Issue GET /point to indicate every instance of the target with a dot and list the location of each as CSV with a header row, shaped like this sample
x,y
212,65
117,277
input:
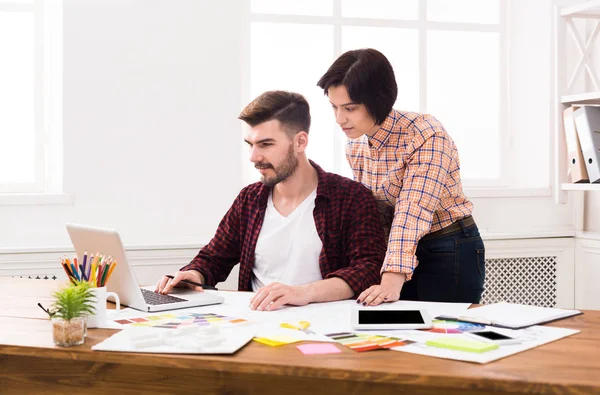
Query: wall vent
x,y
528,280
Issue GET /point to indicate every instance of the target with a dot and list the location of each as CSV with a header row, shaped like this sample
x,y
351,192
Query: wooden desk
x,y
31,364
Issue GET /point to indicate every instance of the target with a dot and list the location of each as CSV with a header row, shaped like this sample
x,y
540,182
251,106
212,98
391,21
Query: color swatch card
x,y
172,321
459,344
442,326
366,342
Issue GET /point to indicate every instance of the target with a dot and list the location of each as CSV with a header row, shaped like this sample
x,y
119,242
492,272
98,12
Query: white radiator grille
x,y
529,280
39,277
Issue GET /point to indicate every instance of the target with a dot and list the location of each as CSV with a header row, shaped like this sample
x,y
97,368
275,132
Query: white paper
x,y
517,315
531,337
325,318
156,341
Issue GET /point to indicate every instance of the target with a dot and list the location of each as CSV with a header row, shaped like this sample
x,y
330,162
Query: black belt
x,y
467,222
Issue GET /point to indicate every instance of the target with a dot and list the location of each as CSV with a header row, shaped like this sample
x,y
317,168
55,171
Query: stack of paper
x,y
513,316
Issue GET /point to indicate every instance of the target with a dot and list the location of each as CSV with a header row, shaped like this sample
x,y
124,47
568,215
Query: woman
x,y
411,165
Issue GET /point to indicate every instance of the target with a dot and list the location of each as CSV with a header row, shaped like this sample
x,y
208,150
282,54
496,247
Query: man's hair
x,y
369,79
289,108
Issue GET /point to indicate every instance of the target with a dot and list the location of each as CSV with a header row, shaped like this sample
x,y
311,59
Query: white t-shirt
x,y
288,248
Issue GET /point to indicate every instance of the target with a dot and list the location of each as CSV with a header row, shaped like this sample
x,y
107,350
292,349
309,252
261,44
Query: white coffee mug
x,y
98,319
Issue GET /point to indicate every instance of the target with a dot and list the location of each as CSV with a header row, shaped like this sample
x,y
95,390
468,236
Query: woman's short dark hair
x,y
369,79
289,108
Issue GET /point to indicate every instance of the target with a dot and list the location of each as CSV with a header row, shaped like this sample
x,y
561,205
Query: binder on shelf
x,y
587,121
577,168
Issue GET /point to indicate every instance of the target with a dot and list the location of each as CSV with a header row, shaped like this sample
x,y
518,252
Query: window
x,y
30,96
449,58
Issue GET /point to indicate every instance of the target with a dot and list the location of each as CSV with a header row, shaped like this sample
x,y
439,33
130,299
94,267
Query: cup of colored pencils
x,y
95,269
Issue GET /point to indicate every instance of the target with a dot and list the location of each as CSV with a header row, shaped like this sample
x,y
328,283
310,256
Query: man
x,y
301,235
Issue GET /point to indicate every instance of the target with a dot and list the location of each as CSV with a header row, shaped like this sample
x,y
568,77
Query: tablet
x,y
369,318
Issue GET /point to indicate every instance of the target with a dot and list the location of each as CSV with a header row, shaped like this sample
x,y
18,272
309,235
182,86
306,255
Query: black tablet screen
x,y
390,317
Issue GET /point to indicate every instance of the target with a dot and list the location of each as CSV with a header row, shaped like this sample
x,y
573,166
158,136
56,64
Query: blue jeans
x,y
451,268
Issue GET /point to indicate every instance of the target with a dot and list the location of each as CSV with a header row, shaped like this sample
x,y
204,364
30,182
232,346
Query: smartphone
x,y
493,337
372,319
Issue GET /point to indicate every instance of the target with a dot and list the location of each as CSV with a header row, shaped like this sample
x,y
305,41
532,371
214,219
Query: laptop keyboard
x,y
153,298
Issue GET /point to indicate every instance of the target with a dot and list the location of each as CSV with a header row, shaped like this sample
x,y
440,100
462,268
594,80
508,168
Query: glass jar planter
x,y
68,332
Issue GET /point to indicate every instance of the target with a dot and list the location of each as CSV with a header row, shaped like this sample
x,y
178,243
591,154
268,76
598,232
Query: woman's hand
x,y
387,291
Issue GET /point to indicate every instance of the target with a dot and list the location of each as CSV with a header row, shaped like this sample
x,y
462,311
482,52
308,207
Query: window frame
x,y
422,25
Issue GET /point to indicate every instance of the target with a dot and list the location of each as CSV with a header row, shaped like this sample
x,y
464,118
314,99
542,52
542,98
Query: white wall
x,y
151,139
152,90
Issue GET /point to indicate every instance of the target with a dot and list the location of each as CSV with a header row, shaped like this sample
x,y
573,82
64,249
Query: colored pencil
x,y
106,269
93,274
84,262
74,269
66,269
100,273
112,268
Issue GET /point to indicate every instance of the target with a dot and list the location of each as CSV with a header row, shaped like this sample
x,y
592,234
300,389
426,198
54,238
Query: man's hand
x,y
275,295
387,291
166,284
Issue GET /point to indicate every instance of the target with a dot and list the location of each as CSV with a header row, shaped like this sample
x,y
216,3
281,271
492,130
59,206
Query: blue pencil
x,y
84,261
82,272
75,272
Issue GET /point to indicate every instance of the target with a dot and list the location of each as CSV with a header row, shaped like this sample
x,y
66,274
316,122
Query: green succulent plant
x,y
73,300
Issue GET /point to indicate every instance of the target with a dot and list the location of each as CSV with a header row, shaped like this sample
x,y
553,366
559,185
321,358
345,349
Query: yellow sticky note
x,y
268,342
277,340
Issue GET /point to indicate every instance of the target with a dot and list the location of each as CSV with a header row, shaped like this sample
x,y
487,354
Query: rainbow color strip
x,y
364,342
442,326
169,320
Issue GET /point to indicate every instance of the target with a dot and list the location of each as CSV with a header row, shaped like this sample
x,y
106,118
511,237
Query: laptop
x,y
123,281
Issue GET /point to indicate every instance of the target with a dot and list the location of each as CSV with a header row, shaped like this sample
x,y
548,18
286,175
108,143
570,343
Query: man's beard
x,y
284,171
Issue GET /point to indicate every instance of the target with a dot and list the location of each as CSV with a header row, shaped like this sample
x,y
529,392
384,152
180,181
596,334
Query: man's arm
x,y
275,295
215,260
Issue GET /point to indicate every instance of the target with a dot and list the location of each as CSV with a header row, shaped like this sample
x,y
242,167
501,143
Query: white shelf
x,y
580,187
589,9
582,98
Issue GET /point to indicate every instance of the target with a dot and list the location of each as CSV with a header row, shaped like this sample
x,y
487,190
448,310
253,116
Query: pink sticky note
x,y
318,348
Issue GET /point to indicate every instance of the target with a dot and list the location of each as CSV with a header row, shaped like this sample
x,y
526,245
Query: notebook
x,y
512,316
123,281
